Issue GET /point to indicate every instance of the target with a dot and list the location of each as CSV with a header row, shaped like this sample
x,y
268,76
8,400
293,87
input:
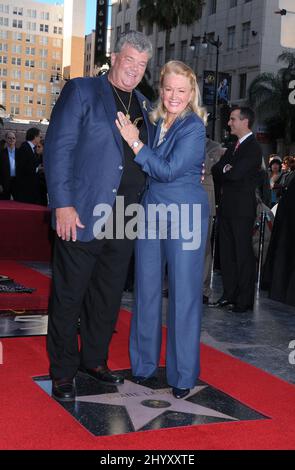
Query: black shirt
x,y
133,178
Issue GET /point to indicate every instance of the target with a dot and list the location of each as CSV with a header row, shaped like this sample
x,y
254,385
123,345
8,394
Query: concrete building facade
x,y
37,41
249,30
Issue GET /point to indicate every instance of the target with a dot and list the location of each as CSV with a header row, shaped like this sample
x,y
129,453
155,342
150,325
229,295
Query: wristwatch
x,y
135,144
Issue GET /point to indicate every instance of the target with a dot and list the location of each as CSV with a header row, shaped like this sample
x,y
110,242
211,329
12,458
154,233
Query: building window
x,y
118,32
56,55
4,8
42,77
3,59
18,11
16,48
183,50
28,111
243,85
32,13
4,21
212,7
41,112
31,26
231,36
43,64
3,85
17,23
127,27
15,98
44,28
120,5
29,75
41,100
16,61
28,87
31,38
28,99
245,34
44,41
3,72
16,74
41,89
44,15
56,42
3,47
43,52
3,34
30,50
29,63
57,30
233,3
14,110
55,90
14,85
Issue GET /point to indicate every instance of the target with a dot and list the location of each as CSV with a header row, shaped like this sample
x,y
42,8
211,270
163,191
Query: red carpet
x,y
28,278
25,231
32,420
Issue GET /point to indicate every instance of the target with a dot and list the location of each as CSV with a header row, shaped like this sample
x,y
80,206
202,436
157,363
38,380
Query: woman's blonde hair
x,y
179,68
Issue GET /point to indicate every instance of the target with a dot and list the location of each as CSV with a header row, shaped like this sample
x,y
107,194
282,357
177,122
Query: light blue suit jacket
x,y
83,155
175,166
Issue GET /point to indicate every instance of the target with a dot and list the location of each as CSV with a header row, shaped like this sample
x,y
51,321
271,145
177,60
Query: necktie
x,y
237,146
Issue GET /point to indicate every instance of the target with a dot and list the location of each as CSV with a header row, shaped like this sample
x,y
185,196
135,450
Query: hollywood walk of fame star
x,y
144,404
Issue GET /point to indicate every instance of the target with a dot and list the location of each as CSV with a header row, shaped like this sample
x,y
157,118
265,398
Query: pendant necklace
x,y
128,108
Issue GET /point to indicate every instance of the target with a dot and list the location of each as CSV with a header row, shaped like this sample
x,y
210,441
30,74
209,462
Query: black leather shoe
x,y
180,392
221,303
103,374
138,379
64,389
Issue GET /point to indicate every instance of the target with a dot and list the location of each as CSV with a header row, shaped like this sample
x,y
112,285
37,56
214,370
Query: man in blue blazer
x,y
87,164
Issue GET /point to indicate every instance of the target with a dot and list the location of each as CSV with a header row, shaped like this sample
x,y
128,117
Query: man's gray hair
x,y
136,39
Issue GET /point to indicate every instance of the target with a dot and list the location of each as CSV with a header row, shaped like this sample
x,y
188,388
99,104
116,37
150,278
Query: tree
x,y
167,14
269,95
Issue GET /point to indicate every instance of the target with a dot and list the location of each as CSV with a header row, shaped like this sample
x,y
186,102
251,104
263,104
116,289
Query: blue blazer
x,y
83,155
175,166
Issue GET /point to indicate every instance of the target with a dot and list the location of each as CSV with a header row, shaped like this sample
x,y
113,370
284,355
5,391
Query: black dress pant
x,y
237,260
88,282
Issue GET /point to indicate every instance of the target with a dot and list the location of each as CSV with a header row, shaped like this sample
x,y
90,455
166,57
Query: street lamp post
x,y
216,43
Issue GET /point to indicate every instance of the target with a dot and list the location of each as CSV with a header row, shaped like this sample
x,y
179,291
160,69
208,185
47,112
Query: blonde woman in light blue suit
x,y
174,168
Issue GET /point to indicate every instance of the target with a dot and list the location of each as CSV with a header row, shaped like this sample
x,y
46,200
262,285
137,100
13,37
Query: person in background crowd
x,y
275,167
213,153
8,167
279,270
40,173
27,182
238,171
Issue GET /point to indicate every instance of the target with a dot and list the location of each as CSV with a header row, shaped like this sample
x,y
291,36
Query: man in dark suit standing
x,y
86,165
27,181
238,172
8,168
